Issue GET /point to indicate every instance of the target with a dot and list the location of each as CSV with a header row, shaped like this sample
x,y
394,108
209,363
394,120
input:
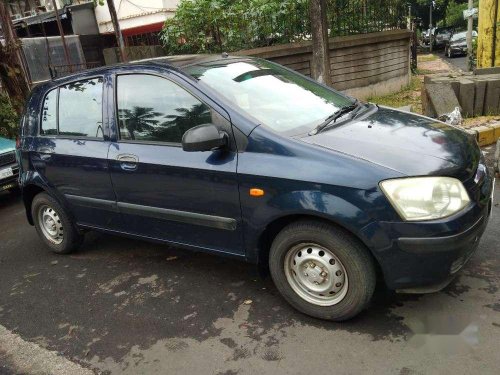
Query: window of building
x,y
49,114
80,108
145,39
155,109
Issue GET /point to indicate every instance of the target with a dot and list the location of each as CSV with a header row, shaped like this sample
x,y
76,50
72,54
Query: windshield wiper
x,y
335,116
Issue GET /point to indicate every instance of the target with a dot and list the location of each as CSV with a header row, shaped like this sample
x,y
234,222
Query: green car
x,y
9,170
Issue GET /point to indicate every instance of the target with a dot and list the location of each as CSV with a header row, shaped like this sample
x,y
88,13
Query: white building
x,y
140,20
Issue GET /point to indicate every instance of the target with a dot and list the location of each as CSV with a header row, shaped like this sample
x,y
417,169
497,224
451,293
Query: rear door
x,y
72,148
162,191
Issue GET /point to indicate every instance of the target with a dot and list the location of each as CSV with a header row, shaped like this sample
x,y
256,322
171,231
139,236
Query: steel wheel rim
x,y
316,274
50,224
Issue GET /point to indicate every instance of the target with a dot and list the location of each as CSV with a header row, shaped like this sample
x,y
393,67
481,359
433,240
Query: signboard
x,y
471,13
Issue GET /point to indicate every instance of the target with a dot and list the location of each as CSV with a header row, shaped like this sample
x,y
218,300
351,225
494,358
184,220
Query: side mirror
x,y
206,137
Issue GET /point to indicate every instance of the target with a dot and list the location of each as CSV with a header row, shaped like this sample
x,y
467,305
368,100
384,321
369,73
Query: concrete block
x,y
496,130
466,97
480,91
453,81
441,99
486,135
492,97
455,85
482,71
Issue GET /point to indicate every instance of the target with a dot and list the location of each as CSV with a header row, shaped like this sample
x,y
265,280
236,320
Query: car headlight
x,y
425,198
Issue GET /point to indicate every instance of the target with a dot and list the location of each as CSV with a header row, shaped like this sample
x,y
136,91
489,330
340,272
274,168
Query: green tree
x,y
8,118
184,120
229,25
12,74
454,13
138,120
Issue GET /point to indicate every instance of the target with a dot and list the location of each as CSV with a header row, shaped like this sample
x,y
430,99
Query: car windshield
x,y
278,98
458,36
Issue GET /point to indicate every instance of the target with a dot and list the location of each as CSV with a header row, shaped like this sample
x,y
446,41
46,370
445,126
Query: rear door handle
x,y
128,162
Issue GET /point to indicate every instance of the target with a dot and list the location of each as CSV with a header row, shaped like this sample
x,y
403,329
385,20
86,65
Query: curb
x,y
486,134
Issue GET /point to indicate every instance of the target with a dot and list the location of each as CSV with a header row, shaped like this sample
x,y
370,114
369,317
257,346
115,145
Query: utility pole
x,y
118,31
320,64
61,32
408,23
470,23
430,26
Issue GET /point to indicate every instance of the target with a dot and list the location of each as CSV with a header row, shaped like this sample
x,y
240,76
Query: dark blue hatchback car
x,y
243,157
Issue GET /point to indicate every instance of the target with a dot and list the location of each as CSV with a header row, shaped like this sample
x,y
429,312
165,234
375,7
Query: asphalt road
x,y
124,306
459,62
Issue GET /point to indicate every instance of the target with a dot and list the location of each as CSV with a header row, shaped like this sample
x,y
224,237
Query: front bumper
x,y
458,49
423,257
12,181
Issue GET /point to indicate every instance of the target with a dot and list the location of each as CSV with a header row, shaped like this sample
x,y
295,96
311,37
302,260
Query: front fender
x,y
260,213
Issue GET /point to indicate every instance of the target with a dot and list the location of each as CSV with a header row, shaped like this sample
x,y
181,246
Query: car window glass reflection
x,y
49,114
282,100
155,109
74,97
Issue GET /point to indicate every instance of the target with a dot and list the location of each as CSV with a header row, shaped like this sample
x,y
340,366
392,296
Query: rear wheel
x,y
322,270
53,225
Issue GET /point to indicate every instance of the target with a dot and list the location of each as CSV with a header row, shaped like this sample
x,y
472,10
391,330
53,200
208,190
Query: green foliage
x,y
420,8
8,118
454,13
229,25
225,25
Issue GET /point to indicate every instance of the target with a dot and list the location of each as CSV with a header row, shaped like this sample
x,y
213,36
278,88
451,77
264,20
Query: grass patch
x,y
410,95
472,122
426,58
424,71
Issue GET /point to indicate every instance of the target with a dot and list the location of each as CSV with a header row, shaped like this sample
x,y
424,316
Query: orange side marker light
x,y
254,192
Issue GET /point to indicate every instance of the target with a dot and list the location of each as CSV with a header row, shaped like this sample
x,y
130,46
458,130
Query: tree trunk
x,y
320,64
12,73
118,31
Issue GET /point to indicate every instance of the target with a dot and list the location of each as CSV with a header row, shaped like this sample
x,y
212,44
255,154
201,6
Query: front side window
x,y
155,109
283,100
80,108
49,114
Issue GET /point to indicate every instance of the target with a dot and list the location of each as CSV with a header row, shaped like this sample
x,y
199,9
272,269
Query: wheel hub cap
x,y
316,274
50,224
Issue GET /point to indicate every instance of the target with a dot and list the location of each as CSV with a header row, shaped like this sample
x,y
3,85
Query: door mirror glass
x,y
206,137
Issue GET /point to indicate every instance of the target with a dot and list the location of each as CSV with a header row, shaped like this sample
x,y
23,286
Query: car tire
x,y
54,225
322,270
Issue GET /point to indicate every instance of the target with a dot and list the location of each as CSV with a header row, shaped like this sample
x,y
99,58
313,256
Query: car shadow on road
x,y
9,199
183,283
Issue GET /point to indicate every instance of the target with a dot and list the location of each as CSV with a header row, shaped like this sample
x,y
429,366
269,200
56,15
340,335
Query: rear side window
x,y
49,114
80,108
155,109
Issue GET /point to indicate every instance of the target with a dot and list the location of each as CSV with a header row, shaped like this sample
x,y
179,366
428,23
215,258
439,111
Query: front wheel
x,y
54,225
322,270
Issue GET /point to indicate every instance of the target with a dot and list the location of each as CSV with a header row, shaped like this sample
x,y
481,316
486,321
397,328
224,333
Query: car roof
x,y
181,61
176,62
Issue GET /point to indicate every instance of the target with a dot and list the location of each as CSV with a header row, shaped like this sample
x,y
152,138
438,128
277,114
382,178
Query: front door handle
x,y
128,162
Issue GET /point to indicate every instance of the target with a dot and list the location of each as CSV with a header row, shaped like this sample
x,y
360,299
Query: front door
x,y
162,191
